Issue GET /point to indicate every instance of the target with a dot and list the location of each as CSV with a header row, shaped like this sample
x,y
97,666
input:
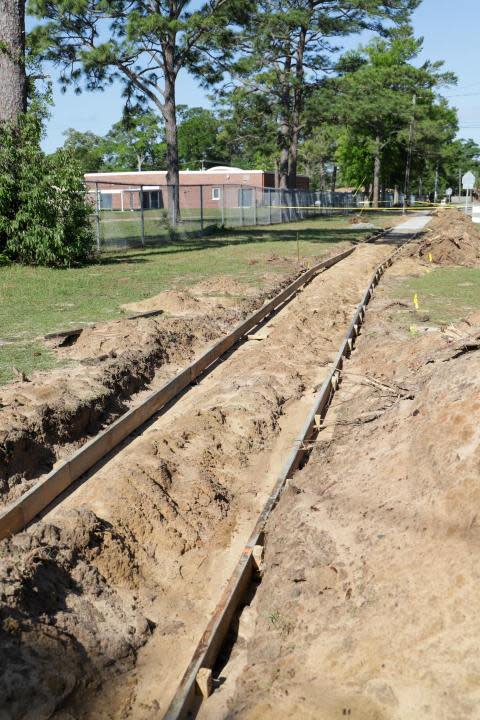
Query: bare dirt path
x,y
368,603
141,549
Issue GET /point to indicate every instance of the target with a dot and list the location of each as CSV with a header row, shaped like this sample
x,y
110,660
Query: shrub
x,y
44,212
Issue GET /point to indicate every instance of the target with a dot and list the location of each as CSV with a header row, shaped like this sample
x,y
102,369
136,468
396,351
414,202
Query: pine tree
x,y
290,44
12,60
145,45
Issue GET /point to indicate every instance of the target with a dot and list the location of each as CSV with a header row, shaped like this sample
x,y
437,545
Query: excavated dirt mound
x,y
173,335
174,302
46,417
367,606
167,517
39,420
224,285
61,622
451,239
216,292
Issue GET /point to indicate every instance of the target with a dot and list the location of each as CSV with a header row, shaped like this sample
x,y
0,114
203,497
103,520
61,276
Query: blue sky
x,y
450,30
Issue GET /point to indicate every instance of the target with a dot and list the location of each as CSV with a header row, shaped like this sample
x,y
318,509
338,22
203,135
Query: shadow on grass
x,y
168,246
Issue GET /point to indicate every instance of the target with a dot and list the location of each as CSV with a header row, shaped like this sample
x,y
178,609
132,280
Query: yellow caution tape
x,y
362,210
415,301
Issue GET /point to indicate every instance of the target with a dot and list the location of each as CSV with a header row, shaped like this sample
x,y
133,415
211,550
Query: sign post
x,y
468,183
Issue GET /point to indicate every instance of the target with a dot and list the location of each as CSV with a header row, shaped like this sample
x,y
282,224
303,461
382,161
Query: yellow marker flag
x,y
415,301
430,257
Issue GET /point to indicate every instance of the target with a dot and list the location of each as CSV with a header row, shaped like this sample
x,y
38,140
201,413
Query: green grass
x,y
124,229
26,357
445,295
35,301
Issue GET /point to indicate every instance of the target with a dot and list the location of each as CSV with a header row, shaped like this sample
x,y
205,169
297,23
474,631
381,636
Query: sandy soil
x,y
219,291
452,239
140,551
367,606
46,418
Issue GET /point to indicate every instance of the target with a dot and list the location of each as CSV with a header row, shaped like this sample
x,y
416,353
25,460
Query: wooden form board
x,y
187,699
22,511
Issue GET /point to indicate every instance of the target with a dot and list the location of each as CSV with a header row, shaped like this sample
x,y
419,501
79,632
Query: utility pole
x,y
409,154
460,182
435,195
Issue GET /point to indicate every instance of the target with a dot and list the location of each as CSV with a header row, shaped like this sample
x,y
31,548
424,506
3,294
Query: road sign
x,y
449,192
468,181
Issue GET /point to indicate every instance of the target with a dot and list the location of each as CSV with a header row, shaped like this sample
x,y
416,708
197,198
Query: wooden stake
x,y
205,682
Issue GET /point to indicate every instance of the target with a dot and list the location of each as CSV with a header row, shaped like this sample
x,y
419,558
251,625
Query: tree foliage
x,y
133,141
86,149
198,142
44,213
142,44
391,116
288,47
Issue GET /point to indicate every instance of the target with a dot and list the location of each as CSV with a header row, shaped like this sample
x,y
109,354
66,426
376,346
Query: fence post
x,y
254,205
201,207
240,195
223,206
269,207
97,215
142,217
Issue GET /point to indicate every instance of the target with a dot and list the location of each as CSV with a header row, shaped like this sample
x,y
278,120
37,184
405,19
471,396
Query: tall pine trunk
x,y
377,168
322,176
293,160
283,159
171,138
333,185
12,60
284,127
297,109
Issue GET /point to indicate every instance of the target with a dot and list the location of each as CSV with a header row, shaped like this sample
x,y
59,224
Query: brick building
x,y
198,188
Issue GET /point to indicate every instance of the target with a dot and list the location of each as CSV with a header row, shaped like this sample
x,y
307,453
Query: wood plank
x,y
23,510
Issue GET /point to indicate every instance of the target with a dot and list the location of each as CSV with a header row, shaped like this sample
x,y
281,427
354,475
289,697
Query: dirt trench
x,y
155,533
48,416
367,606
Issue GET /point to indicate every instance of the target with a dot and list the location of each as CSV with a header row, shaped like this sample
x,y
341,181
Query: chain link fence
x,y
129,216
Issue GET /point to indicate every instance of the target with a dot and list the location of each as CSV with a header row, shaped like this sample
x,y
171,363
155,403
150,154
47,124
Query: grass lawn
x,y
35,301
123,230
445,295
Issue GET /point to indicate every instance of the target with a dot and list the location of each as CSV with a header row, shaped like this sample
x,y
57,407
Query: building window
x,y
216,193
152,199
106,201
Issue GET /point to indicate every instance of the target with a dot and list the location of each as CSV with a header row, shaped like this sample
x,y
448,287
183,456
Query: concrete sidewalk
x,y
406,230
